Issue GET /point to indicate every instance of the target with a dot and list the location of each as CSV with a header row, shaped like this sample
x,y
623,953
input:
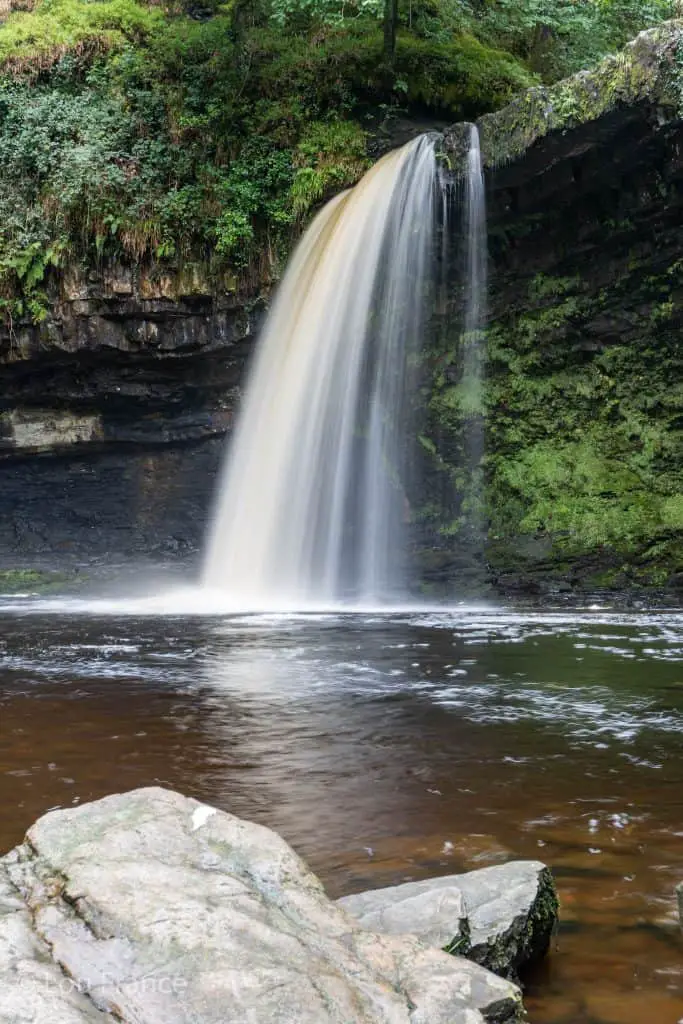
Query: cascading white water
x,y
474,341
311,505
476,279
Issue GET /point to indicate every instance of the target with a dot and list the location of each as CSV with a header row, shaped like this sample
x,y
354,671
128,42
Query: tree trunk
x,y
390,26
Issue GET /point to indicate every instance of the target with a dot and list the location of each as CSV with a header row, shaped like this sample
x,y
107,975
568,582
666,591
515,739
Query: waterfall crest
x,y
311,504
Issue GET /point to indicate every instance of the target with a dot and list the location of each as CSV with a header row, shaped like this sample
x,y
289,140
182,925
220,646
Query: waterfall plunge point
x,y
311,504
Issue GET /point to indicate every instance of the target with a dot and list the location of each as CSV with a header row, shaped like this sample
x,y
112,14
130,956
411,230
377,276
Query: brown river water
x,y
388,747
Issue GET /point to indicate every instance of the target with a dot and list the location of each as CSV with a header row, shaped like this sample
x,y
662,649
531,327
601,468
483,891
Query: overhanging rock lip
x,y
548,123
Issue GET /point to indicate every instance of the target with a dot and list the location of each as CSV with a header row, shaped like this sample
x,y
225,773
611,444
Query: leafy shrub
x,y
32,41
330,156
207,132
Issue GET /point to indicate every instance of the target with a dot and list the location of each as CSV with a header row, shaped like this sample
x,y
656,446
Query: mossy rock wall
x,y
584,391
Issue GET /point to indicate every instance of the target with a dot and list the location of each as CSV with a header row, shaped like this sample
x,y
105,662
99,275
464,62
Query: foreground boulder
x,y
502,917
155,909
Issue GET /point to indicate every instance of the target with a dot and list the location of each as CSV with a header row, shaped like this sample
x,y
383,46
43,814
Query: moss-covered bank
x,y
649,70
181,138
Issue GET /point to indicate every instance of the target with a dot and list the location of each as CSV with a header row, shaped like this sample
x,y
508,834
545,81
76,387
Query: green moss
x,y
330,156
527,938
14,581
544,915
461,944
649,68
459,78
544,286
584,455
583,438
672,512
583,499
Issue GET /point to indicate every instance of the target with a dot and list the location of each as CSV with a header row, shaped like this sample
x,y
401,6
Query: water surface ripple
x,y
388,746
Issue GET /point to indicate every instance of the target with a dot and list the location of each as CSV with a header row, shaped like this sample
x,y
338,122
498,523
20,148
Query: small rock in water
x,y
501,917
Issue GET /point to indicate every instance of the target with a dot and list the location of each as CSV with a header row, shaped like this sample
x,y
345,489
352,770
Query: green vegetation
x,y
583,440
204,133
32,42
559,37
587,451
14,581
461,943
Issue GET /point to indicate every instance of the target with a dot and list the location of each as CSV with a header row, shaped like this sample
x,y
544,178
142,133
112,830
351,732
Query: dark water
x,y
387,748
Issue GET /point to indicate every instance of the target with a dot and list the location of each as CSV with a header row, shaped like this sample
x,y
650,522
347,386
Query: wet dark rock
x,y
585,199
113,413
124,358
502,917
118,503
392,129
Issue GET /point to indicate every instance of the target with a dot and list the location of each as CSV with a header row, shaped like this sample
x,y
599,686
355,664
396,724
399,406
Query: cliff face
x,y
124,356
584,475
113,409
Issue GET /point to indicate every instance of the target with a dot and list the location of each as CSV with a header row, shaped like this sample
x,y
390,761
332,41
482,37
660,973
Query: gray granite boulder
x,y
502,917
33,987
151,908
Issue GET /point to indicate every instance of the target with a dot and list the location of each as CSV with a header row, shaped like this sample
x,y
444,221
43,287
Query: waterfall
x,y
476,279
311,506
474,339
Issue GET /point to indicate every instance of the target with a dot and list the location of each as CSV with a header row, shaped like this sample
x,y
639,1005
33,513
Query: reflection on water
x,y
391,747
